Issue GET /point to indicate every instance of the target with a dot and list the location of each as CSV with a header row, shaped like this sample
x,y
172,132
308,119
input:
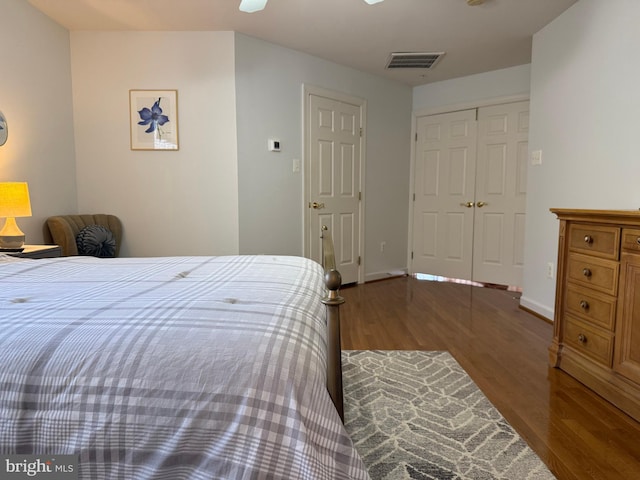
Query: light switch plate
x,y
536,157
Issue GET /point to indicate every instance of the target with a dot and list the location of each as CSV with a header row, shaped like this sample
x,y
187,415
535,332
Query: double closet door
x,y
470,179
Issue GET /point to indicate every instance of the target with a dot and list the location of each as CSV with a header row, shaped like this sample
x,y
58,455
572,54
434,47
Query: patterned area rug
x,y
418,415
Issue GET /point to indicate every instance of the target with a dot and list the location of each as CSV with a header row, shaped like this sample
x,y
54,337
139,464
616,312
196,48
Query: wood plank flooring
x,y
504,349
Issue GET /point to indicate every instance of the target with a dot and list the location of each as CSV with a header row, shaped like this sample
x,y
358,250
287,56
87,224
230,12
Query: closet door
x,y
470,181
444,177
500,194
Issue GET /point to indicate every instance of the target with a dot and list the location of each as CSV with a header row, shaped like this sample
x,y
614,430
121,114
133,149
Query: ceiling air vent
x,y
414,60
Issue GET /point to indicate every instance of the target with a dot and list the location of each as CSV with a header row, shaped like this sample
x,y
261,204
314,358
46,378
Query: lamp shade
x,y
14,199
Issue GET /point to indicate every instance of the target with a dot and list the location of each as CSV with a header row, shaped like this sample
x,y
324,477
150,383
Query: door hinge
x,y
416,136
411,255
359,196
414,197
359,260
361,131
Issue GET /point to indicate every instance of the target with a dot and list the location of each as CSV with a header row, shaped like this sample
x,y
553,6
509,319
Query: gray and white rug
x,y
418,415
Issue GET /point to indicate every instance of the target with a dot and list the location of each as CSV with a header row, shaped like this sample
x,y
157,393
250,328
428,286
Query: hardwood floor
x,y
504,349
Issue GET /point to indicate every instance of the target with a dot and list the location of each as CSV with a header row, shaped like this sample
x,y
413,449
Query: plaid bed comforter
x,y
170,368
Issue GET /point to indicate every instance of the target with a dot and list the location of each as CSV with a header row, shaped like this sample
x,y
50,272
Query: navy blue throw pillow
x,y
96,241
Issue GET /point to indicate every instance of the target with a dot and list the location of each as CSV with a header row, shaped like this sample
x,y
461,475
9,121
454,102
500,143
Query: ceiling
x,y
496,34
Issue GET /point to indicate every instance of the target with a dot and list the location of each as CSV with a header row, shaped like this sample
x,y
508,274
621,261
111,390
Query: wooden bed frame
x,y
333,300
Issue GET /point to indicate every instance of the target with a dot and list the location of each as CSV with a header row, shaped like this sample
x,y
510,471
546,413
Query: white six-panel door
x,y
334,130
444,179
501,181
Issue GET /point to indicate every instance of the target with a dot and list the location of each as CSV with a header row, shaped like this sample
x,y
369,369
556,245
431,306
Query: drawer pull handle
x,y
586,272
582,338
588,239
638,240
584,304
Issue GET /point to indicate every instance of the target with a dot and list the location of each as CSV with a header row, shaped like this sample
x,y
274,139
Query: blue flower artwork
x,y
153,117
154,122
3,129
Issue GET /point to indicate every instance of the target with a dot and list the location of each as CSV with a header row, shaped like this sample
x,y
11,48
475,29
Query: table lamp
x,y
14,202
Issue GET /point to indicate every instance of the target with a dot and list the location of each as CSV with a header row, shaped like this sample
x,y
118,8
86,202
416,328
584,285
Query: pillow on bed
x,y
96,241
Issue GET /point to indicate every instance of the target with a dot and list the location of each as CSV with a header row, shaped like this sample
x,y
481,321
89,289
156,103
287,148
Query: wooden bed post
x,y
333,281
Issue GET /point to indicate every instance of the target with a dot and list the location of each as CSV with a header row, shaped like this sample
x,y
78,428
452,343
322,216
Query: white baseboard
x,y
536,307
370,277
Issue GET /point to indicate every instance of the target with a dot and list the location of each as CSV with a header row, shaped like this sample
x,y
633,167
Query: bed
x,y
171,368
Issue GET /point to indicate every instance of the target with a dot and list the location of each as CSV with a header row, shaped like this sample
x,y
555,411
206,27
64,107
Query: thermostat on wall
x,y
274,145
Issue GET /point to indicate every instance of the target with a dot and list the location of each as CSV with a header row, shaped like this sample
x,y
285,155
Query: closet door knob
x,y
586,272
588,239
584,304
582,338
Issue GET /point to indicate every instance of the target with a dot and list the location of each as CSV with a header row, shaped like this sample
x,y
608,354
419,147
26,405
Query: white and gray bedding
x,y
170,368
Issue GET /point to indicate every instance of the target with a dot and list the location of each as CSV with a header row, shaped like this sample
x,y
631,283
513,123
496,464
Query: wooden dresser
x,y
597,312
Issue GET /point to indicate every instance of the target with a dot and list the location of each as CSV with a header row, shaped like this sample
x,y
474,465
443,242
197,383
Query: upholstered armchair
x,y
63,230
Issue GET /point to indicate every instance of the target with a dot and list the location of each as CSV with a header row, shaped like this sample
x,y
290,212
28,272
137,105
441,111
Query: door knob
x,y
316,205
467,204
481,204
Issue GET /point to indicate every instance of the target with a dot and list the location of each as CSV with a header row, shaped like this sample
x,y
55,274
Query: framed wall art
x,y
4,129
154,119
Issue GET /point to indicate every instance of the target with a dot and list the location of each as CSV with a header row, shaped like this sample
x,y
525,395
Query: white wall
x,y
269,82
584,96
170,202
35,96
502,83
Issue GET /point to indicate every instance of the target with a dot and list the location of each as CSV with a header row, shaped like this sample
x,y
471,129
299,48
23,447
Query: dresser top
x,y
600,216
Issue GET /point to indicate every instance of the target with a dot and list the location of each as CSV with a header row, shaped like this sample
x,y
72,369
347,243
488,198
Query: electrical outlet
x,y
550,270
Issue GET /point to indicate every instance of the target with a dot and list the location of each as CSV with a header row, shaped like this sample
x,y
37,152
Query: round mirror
x,y
4,132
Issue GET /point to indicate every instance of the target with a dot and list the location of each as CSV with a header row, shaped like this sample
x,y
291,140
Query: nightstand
x,y
38,251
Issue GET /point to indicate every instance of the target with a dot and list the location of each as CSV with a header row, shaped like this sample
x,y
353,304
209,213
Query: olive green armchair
x,y
62,230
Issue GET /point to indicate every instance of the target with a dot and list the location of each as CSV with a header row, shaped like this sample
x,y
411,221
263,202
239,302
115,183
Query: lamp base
x,y
11,241
10,235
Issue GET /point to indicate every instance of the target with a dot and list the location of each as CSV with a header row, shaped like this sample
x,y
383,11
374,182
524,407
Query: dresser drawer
x,y
589,341
600,241
631,240
592,272
591,306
